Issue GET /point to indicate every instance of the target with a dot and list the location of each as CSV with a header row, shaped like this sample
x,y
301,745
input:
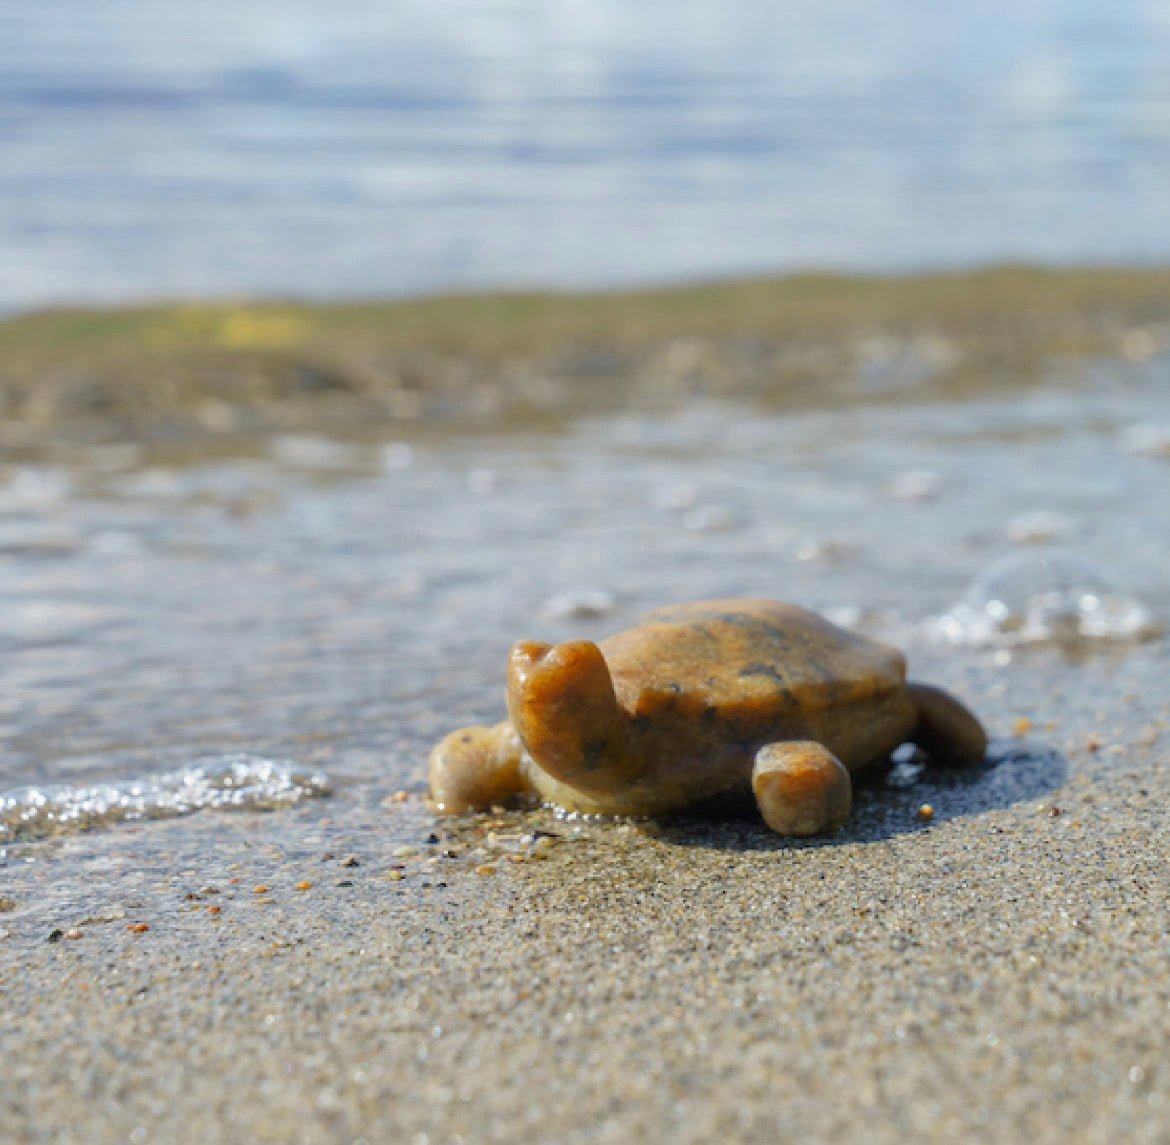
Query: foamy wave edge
x,y
238,782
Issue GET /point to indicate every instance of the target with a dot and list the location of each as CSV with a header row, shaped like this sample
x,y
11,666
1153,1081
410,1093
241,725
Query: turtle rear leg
x,y
473,768
801,788
945,730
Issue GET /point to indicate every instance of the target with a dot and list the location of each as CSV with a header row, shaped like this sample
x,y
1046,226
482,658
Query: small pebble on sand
x,y
484,869
259,889
138,927
403,851
74,932
303,885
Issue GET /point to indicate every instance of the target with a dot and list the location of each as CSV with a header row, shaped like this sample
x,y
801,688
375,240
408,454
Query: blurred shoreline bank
x,y
216,374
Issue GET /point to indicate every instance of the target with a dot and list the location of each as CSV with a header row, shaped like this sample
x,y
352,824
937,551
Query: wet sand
x,y
1001,973
998,972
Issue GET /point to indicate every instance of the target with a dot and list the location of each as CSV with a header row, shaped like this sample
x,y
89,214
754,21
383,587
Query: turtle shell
x,y
737,656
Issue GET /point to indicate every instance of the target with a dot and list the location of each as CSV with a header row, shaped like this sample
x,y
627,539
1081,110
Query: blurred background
x,y
152,148
257,495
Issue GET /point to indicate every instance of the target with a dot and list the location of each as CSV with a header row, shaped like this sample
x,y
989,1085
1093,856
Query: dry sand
x,y
999,973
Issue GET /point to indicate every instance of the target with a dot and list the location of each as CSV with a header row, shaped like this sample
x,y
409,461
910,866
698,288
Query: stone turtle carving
x,y
701,703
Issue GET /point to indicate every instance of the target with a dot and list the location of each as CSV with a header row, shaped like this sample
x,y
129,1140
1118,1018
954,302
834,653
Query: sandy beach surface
x,y
357,969
1001,973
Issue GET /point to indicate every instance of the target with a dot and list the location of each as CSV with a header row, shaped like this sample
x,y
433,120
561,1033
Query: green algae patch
x,y
233,368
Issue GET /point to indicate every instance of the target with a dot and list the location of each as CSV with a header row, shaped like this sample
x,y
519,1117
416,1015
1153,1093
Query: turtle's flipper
x,y
946,730
473,768
801,788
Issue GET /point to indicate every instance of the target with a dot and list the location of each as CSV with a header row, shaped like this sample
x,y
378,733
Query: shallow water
x,y
155,147
229,782
341,604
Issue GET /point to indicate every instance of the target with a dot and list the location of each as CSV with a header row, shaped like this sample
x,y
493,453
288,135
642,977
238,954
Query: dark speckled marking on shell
x,y
775,656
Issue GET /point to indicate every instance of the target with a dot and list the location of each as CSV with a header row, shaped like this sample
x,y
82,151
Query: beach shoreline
x,y
209,376
211,548
357,971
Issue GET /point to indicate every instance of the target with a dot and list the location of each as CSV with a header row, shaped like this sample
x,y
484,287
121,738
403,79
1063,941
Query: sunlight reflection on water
x,y
156,147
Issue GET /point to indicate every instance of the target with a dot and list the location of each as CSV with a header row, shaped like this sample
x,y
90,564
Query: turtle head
x,y
561,702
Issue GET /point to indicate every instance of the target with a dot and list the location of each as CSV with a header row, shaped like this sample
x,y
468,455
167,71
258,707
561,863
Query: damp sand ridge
x,y
212,375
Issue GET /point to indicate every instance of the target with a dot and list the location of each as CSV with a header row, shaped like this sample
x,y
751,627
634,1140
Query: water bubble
x,y
397,456
676,498
826,550
843,615
710,519
215,415
1146,440
1040,526
116,458
116,544
580,604
228,782
304,451
915,485
482,481
1034,598
32,487
905,773
50,620
38,539
1141,343
156,483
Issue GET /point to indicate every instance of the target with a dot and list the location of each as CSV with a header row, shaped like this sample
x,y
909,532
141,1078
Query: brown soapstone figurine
x,y
698,704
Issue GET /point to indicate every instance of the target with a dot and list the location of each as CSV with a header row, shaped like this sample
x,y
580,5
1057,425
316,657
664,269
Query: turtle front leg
x,y
945,730
473,768
801,788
